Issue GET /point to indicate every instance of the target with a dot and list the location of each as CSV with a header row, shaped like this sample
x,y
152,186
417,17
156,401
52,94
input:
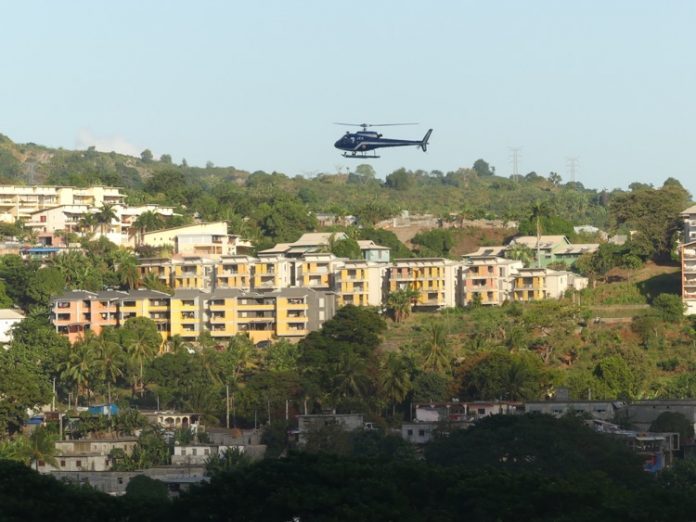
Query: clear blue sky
x,y
257,85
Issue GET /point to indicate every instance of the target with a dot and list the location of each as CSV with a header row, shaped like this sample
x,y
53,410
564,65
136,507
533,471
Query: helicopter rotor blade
x,y
374,124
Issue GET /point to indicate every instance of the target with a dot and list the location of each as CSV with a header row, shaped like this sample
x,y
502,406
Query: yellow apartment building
x,y
359,283
186,314
235,272
317,270
435,280
272,272
147,303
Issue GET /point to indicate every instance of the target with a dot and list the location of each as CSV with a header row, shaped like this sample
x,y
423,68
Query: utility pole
x,y
515,162
227,405
572,164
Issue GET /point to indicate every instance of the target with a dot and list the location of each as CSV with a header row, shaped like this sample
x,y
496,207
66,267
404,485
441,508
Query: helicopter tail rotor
x,y
424,141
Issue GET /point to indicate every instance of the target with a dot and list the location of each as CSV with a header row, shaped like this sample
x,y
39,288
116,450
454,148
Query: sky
x,y
258,85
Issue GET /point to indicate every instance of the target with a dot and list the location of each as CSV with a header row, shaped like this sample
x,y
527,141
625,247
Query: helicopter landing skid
x,y
355,155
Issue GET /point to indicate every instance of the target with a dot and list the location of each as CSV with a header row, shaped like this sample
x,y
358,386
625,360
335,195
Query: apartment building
x,y
204,239
71,314
689,218
181,272
186,314
19,202
534,284
487,279
272,272
317,270
360,283
146,303
688,262
435,280
290,313
235,272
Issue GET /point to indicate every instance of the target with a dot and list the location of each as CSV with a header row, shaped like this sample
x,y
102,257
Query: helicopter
x,y
357,144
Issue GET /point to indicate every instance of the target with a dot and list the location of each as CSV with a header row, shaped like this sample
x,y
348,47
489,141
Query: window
x,y
62,463
194,452
78,463
409,433
421,433
183,452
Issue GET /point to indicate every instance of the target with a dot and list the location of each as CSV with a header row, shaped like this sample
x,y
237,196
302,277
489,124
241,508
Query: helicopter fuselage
x,y
363,141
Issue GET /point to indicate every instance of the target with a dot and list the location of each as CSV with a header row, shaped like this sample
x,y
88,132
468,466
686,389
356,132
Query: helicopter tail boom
x,y
424,142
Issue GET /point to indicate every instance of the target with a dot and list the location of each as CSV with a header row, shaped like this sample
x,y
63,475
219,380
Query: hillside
x,y
465,191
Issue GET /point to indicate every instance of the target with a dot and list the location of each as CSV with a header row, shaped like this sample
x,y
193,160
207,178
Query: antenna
x,y
572,164
515,162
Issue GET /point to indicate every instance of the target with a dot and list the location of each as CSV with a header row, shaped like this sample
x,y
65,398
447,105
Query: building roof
x,y
575,249
75,295
368,244
487,251
544,241
688,211
145,293
9,313
188,293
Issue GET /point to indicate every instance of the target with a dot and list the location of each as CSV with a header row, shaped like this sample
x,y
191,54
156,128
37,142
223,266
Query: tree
x,y
400,302
520,252
434,243
436,353
142,341
147,221
146,156
501,375
43,285
42,447
482,168
654,214
347,248
166,158
104,217
673,422
109,358
395,379
23,386
79,367
669,307
555,178
143,488
400,179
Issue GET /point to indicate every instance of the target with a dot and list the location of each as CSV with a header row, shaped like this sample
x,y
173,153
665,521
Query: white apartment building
x,y
18,202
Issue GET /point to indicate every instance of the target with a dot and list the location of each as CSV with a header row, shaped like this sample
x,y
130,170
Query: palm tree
x,y
78,367
400,301
140,349
126,266
42,447
436,352
105,216
147,221
87,223
109,359
244,356
177,344
395,378
351,378
538,210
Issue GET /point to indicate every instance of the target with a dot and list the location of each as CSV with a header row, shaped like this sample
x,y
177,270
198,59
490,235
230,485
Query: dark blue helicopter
x,y
357,144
